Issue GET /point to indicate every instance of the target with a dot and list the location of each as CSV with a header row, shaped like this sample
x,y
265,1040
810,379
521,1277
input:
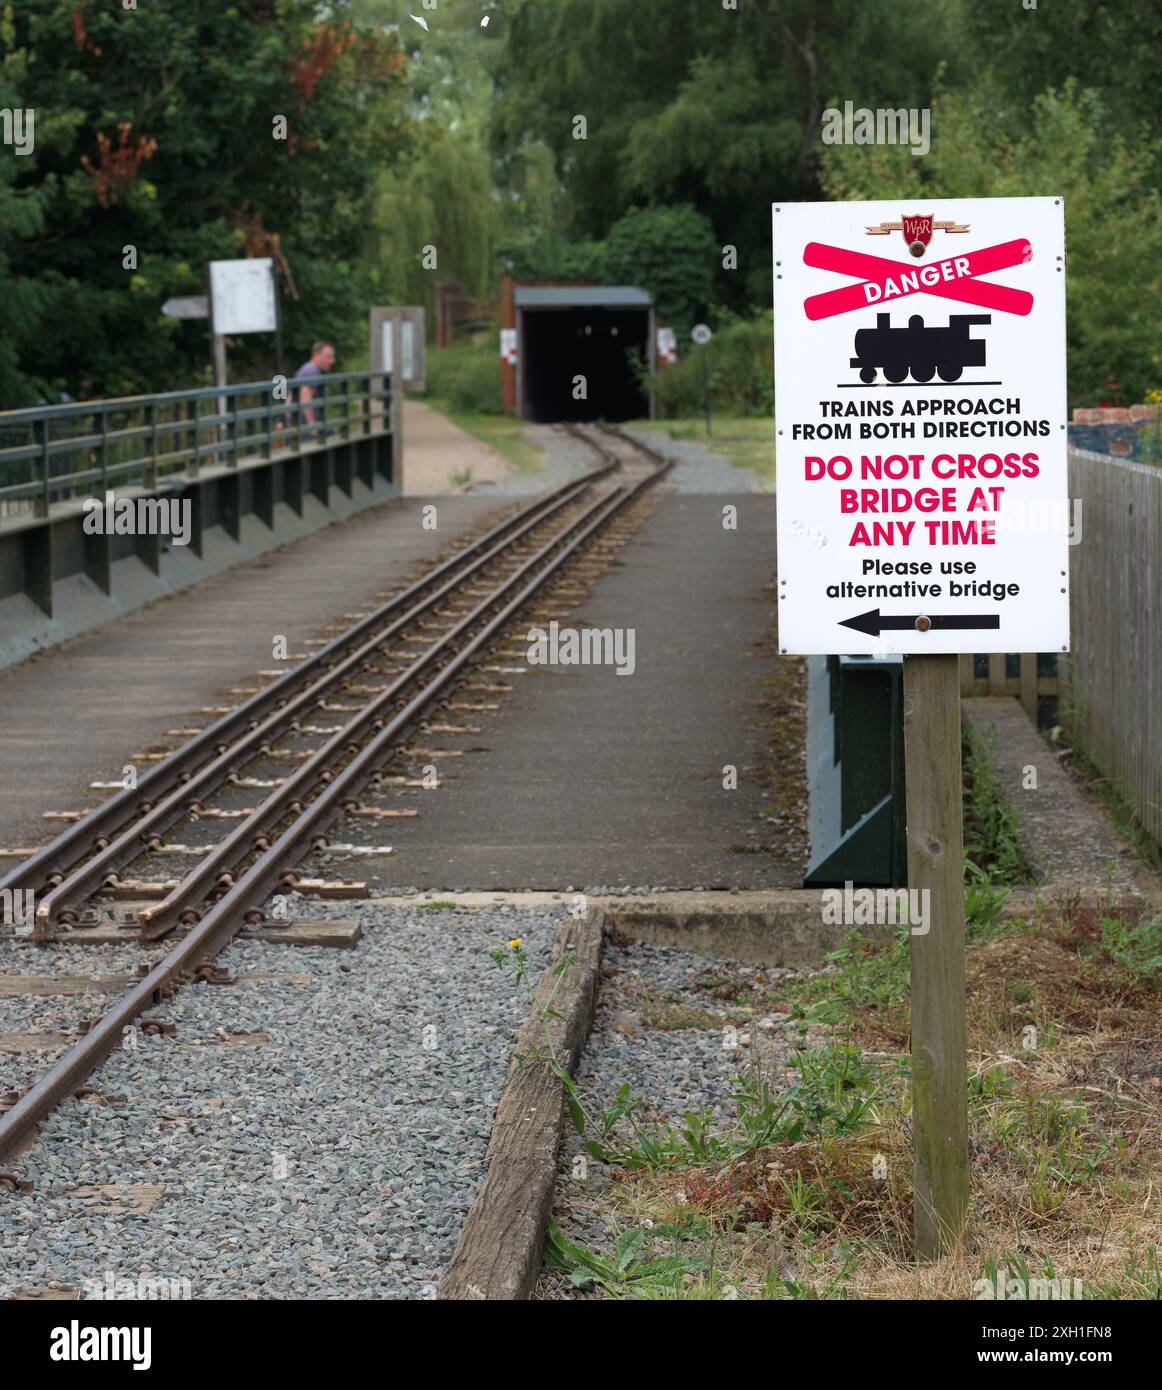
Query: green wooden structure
x,y
855,772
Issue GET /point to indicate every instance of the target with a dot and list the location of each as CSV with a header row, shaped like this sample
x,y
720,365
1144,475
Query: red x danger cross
x,y
885,281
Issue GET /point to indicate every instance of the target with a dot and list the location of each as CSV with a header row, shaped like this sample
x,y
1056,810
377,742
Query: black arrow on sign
x,y
873,623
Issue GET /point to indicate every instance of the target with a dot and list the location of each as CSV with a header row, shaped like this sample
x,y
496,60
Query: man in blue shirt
x,y
321,360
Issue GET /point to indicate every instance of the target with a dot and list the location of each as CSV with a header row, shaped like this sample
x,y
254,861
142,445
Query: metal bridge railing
x,y
59,453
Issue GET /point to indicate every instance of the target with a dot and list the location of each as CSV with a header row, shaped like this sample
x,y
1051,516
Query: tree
x,y
437,215
669,251
688,102
169,135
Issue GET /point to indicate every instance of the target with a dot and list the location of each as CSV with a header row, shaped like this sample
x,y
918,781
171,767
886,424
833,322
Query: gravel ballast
x,y
563,458
320,1135
696,469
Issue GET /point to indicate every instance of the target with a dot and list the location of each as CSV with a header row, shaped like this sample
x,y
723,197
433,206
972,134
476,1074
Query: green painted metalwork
x,y
62,453
866,844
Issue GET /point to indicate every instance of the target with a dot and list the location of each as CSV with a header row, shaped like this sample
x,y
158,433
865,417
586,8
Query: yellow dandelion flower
x,y
516,943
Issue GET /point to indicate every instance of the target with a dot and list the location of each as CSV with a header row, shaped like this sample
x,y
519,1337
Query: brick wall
x,y
1123,431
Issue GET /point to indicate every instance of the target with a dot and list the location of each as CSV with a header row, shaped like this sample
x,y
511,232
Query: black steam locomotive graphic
x,y
925,352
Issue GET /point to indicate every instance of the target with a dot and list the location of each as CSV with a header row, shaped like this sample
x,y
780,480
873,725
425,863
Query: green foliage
x,y
551,256
441,198
668,251
686,102
1063,145
628,1274
155,131
836,1095
1136,947
865,977
992,832
466,377
1140,1276
983,904
739,366
1112,48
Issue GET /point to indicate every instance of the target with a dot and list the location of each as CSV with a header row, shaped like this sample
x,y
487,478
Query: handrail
x,y
152,440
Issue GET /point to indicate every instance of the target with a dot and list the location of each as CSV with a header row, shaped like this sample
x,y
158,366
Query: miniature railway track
x,y
400,660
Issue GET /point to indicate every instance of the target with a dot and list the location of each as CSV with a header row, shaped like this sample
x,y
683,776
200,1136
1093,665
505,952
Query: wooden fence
x,y
1114,695
1109,688
1030,676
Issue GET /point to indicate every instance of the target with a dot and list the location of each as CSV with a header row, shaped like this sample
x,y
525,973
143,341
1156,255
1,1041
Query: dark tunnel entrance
x,y
595,342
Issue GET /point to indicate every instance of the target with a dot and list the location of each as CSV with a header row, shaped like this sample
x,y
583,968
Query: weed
x,y
991,830
983,904
627,1273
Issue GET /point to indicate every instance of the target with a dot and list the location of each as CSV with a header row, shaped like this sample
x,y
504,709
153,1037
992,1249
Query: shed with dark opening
x,y
601,333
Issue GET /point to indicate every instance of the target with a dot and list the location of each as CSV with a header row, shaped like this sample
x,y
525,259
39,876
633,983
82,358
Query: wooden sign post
x,y
936,869
922,500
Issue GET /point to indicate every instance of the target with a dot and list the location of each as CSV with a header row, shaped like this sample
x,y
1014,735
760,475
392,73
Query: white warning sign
x,y
920,413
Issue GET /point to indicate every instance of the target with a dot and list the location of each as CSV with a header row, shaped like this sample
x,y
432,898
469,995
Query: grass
x,y
747,441
807,1192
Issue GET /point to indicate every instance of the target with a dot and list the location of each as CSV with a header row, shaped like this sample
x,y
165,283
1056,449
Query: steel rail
x,y
95,872
51,862
225,919
253,832
618,433
284,799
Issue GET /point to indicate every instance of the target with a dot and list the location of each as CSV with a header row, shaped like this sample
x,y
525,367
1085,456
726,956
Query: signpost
x,y
923,510
701,334
190,306
243,298
398,351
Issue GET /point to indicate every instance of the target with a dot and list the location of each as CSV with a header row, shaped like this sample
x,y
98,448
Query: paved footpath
x,y
77,713
583,778
435,449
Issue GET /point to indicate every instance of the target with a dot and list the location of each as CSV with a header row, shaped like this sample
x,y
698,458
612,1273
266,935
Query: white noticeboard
x,y
407,338
242,296
920,412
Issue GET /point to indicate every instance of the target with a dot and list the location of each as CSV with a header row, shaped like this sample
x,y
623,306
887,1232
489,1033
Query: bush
x,y
466,376
551,256
670,251
739,360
